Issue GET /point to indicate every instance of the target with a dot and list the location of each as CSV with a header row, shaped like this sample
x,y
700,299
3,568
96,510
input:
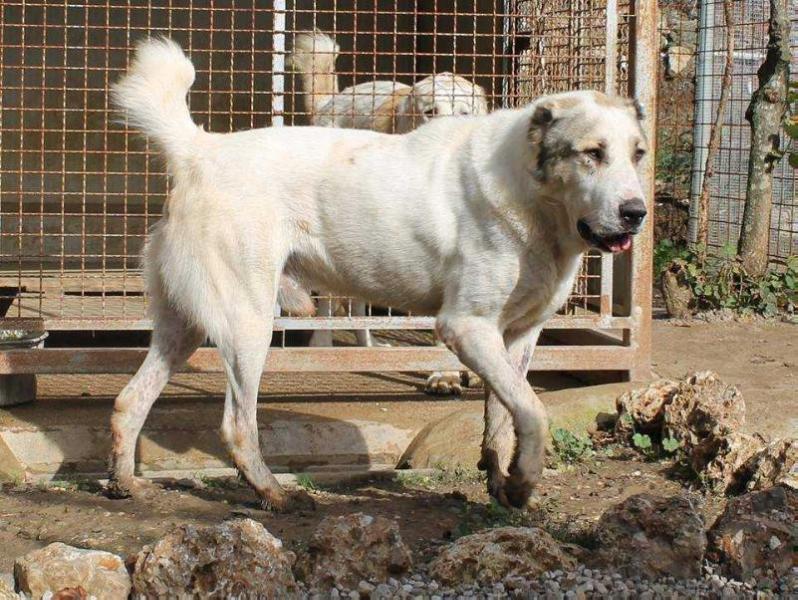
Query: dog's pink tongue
x,y
621,245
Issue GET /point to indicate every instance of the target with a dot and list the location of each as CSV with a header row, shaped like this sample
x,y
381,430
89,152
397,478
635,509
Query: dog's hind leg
x,y
323,338
244,348
173,341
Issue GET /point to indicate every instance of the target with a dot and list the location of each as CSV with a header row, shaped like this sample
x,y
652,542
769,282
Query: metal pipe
x,y
702,121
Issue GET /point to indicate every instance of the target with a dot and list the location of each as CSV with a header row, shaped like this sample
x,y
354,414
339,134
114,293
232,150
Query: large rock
x,y
491,555
237,558
6,593
756,533
652,536
777,464
73,593
58,566
433,447
345,550
703,410
723,464
643,409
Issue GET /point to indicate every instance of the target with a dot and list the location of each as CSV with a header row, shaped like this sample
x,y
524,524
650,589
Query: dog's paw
x,y
135,487
290,502
472,380
445,383
518,489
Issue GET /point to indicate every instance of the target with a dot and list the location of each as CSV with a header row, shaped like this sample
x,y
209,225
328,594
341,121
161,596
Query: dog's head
x,y
440,95
586,152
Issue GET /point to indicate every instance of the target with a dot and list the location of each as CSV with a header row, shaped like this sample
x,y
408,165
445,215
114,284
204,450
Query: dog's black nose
x,y
633,212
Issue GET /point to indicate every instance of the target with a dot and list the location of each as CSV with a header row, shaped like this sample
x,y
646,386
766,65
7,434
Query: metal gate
x,y
78,191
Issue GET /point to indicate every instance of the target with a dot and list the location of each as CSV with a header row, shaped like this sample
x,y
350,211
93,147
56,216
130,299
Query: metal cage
x,y
78,191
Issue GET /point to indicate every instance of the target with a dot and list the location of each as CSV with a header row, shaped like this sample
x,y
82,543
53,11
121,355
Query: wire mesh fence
x,y
692,35
78,191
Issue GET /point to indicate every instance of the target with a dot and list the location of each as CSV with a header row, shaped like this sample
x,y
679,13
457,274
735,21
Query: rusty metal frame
x,y
619,307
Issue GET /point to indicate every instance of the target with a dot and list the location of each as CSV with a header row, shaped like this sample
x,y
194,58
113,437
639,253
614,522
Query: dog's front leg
x,y
480,346
498,441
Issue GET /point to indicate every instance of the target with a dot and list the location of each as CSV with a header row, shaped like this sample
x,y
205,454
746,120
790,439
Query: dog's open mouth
x,y
617,242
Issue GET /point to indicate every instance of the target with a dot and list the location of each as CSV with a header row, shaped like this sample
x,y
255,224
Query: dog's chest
x,y
542,292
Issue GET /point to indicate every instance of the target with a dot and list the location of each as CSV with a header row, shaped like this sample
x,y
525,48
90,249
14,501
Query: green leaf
x,y
671,445
641,441
793,160
792,130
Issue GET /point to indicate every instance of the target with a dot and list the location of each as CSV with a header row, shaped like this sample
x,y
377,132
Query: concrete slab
x,y
66,435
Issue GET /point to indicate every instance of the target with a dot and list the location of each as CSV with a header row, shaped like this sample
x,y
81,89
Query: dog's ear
x,y
543,117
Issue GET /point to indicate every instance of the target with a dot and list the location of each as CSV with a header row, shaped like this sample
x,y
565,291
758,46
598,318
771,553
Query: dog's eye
x,y
431,112
639,154
596,154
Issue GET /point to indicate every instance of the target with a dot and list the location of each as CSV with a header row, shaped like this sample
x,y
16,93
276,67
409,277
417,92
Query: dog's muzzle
x,y
607,242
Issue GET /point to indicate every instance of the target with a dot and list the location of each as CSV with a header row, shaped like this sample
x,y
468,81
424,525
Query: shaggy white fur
x,y
480,220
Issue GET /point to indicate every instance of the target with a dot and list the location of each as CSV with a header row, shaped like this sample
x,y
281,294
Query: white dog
x,y
385,106
388,107
480,220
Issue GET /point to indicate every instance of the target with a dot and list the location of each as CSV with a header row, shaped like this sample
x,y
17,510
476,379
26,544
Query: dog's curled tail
x,y
152,96
313,57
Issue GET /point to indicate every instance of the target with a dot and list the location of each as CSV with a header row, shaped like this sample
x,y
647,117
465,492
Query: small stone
x,y
7,592
703,409
642,410
364,587
345,550
58,566
383,590
723,461
494,554
776,464
195,561
742,538
652,536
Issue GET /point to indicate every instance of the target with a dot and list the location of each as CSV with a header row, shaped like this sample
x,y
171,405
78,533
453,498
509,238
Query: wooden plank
x,y
407,359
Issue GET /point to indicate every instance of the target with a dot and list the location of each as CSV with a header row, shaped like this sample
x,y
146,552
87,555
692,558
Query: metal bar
x,y
605,303
408,359
611,51
278,64
645,62
702,118
309,323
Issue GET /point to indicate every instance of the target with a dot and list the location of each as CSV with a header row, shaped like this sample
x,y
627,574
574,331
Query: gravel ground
x,y
581,584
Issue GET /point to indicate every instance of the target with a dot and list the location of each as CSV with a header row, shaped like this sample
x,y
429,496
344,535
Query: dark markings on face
x,y
551,152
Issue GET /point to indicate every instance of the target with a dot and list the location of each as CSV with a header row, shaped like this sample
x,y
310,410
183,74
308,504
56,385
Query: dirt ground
x,y
760,358
430,510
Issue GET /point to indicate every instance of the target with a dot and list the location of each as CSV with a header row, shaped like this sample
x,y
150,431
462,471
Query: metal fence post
x,y
705,60
645,61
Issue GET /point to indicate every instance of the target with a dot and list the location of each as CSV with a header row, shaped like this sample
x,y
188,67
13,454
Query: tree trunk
x,y
766,115
715,131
